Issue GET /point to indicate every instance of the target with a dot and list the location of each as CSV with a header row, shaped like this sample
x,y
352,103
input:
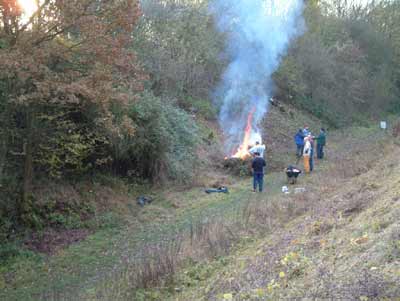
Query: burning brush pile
x,y
238,166
239,163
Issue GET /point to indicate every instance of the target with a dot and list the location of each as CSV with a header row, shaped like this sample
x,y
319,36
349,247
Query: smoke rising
x,y
258,33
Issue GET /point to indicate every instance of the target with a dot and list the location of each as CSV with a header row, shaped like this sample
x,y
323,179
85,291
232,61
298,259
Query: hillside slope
x,y
279,127
188,245
343,244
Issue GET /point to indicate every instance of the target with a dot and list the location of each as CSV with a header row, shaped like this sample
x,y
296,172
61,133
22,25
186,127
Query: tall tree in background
x,y
179,46
346,67
63,69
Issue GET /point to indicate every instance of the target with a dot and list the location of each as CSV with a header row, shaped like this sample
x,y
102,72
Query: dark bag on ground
x,y
143,200
222,189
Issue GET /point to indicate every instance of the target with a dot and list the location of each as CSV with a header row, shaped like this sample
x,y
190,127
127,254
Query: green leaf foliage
x,y
164,144
344,69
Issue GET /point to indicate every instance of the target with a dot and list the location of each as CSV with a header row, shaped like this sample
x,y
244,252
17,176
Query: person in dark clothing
x,y
312,141
292,173
321,141
258,165
299,140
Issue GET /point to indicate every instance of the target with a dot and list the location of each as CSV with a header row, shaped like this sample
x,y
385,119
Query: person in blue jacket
x,y
299,140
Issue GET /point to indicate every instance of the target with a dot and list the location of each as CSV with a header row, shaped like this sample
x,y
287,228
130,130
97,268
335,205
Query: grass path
x,y
82,266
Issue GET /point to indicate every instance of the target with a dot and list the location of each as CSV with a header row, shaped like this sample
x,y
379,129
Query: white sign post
x,y
383,125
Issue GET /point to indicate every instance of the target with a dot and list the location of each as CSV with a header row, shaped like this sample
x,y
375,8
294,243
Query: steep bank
x,y
343,244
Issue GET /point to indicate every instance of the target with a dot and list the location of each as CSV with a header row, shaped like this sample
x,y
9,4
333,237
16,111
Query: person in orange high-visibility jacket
x,y
306,154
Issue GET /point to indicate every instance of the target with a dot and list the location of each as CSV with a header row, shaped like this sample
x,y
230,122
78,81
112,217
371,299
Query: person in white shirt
x,y
258,148
307,152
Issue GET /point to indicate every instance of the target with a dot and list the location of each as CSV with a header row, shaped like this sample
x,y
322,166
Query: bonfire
x,y
247,142
237,163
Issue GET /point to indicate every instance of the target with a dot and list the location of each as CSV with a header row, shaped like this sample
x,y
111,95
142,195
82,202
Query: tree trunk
x,y
28,165
4,132
3,154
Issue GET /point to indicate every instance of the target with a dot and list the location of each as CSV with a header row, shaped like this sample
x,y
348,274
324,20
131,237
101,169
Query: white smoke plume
x,y
258,33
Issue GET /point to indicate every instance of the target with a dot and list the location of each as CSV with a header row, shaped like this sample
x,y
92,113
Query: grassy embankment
x,y
339,240
125,230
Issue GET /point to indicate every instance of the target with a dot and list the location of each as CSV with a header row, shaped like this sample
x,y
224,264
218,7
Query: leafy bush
x,y
395,107
70,145
163,146
6,226
200,106
11,251
321,111
72,214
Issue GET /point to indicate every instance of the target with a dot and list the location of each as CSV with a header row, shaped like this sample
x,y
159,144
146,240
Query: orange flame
x,y
243,150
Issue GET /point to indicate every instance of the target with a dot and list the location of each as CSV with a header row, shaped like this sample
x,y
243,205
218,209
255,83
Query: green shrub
x,y
11,251
202,107
323,112
395,107
8,206
109,220
71,214
68,221
164,144
6,227
73,144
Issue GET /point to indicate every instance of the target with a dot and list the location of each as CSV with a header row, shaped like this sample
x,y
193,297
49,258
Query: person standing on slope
x,y
258,165
312,143
299,140
321,141
258,148
306,154
306,131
